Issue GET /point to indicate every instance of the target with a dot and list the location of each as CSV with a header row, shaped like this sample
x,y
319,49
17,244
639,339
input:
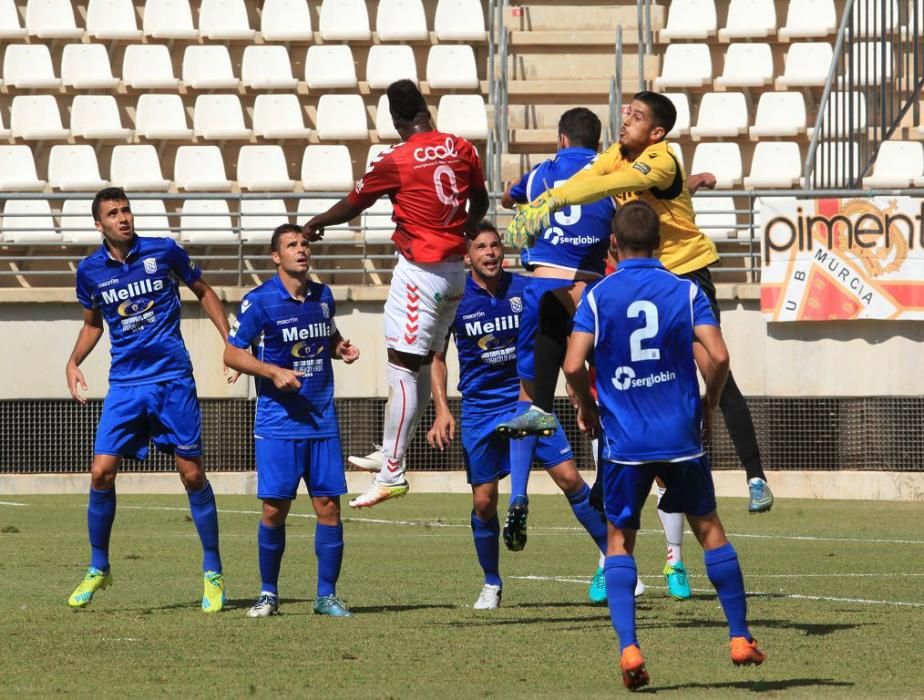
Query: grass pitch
x,y
837,600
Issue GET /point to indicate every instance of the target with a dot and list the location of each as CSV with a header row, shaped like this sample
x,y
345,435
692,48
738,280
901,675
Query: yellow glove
x,y
530,221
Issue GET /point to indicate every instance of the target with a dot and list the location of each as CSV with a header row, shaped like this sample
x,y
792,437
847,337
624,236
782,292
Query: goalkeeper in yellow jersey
x,y
641,166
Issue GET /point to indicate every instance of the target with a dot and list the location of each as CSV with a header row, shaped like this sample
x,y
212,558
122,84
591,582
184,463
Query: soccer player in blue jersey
x,y
288,321
486,330
133,283
640,324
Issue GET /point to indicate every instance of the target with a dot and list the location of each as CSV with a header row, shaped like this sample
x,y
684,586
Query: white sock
x,y
673,532
399,416
601,561
423,399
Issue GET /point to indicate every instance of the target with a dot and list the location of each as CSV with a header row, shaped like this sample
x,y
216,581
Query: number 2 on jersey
x,y
649,330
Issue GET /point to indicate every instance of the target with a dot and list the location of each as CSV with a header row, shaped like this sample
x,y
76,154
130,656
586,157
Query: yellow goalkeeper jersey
x,y
656,178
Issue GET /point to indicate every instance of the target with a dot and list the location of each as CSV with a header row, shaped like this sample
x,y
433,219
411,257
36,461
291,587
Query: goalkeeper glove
x,y
530,220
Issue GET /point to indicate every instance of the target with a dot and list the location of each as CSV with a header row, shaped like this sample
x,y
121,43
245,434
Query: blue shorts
x,y
487,455
283,463
165,412
529,321
626,486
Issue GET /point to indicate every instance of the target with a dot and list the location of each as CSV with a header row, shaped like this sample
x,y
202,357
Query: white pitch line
x,y
11,503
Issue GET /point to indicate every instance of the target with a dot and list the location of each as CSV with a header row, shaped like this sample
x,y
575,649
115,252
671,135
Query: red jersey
x,y
428,179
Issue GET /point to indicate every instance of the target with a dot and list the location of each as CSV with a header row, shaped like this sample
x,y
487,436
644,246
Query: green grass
x,y
415,633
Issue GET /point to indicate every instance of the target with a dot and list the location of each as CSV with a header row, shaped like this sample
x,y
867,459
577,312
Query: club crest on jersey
x,y
516,304
244,306
150,265
305,350
325,309
134,307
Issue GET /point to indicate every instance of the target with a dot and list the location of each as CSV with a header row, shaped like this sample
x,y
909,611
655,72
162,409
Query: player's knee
x,y
708,530
327,509
103,474
485,505
567,477
275,512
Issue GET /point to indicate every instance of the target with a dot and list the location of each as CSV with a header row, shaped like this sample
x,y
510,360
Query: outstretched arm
x,y
212,306
443,430
87,338
339,213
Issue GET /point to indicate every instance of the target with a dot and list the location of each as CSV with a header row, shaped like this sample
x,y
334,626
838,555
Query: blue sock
x,y
205,516
521,458
328,547
101,512
588,516
271,542
486,534
723,570
621,574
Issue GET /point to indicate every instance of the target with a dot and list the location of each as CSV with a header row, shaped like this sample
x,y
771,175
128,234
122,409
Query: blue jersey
x,y
579,235
140,301
642,318
294,335
486,329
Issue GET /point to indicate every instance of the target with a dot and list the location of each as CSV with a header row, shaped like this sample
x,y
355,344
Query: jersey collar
x,y
575,152
639,263
284,293
106,256
475,288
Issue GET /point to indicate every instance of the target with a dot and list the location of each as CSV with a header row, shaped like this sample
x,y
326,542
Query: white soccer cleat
x,y
267,604
639,587
378,492
489,598
372,462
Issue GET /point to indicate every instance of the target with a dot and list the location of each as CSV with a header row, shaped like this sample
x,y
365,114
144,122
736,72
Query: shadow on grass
x,y
756,686
365,609
807,628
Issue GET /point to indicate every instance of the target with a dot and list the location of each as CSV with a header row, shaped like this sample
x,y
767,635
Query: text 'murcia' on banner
x,y
841,259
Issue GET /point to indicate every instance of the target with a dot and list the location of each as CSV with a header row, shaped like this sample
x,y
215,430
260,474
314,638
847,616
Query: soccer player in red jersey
x,y
429,177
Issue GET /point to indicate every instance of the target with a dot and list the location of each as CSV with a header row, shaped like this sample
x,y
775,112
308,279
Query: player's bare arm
x,y
213,308
477,208
339,213
580,345
697,181
713,364
87,338
244,361
443,430
508,201
343,349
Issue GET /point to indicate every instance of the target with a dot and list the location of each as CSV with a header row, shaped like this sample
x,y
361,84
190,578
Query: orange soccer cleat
x,y
745,652
634,675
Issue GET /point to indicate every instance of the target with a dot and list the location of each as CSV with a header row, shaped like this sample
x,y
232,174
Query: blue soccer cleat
x,y
331,606
761,496
534,421
597,591
678,585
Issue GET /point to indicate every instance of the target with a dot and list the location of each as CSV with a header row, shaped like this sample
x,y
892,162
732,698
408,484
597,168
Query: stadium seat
x,y
10,28
148,67
330,66
716,217
74,168
721,114
28,221
97,117
898,164
873,18
200,169
807,65
390,62
845,114
259,217
137,168
747,65
779,114
29,66
685,66
207,222
809,19
267,68
834,161
17,170
151,218
872,62
161,117
86,67
309,208
77,223
375,151
341,117
168,19
463,115
682,105
344,20
4,132
459,20
51,19
384,126
678,152
749,19
286,20
774,164
452,67
376,222
279,117
222,20
401,20
36,118
112,19
722,160
208,68
327,169
263,168
219,117
690,19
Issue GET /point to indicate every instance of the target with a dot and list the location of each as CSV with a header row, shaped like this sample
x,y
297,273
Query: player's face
x,y
486,255
116,221
294,254
638,130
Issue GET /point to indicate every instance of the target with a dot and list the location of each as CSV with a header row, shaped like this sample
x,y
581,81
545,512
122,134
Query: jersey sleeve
x,y
382,178
248,325
328,298
181,264
701,309
585,318
84,291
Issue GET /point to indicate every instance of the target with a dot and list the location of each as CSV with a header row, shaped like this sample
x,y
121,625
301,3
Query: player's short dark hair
x,y
405,101
581,126
279,231
662,109
637,228
110,194
485,226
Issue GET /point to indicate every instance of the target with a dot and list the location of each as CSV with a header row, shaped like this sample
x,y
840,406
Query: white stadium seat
x,y
10,28
722,160
401,20
375,151
330,66
685,66
17,170
151,218
341,117
463,115
387,63
4,132
219,117
807,65
690,19
779,114
168,19
86,67
721,115
327,169
112,19
148,67
28,221
208,68
286,20
137,168
279,117
716,217
459,20
259,217
344,20
749,19
207,222
384,126
775,164
747,65
224,20
263,168
51,19
36,117
898,164
678,153
682,105
97,117
29,66
809,19
74,168
201,169
452,67
845,114
77,223
267,68
162,116
376,222
309,208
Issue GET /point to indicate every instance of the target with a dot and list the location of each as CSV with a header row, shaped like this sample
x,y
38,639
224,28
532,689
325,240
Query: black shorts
x,y
703,279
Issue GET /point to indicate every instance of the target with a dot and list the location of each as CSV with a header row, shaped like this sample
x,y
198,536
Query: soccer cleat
x,y
597,591
530,221
213,594
634,675
267,604
331,606
761,496
372,462
379,492
639,587
489,598
534,421
94,580
745,652
515,526
678,585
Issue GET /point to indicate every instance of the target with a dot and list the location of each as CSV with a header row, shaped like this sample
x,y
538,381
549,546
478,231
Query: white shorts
x,y
421,305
